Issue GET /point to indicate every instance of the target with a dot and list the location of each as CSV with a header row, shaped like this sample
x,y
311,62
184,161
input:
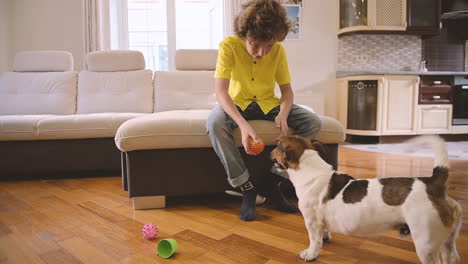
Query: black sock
x,y
277,198
248,211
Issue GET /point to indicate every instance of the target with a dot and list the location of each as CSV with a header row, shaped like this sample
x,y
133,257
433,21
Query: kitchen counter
x,y
340,74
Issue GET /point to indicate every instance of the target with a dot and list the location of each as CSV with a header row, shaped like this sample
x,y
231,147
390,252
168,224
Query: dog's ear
x,y
306,143
319,147
291,157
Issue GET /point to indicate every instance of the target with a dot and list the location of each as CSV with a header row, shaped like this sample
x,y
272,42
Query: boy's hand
x,y
281,121
248,132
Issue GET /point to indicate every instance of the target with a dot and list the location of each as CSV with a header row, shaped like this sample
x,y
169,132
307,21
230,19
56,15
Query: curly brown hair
x,y
262,20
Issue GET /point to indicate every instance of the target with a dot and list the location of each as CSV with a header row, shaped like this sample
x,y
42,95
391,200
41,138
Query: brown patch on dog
x,y
290,149
439,177
395,190
435,188
336,184
355,191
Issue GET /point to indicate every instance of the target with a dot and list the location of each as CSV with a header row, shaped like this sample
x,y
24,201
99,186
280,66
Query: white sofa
x,y
117,117
56,122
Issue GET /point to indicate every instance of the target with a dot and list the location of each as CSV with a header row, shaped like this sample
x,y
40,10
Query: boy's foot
x,y
248,212
258,201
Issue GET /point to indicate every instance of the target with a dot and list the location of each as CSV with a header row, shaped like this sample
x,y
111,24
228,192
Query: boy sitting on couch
x,y
248,67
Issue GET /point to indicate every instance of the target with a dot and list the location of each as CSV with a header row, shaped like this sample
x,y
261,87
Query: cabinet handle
x,y
436,82
436,97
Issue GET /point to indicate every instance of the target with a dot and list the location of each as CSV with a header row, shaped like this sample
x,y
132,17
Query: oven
x,y
460,101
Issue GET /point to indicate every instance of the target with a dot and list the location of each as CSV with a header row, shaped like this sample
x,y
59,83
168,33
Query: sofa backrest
x,y
191,86
43,82
183,90
115,81
43,61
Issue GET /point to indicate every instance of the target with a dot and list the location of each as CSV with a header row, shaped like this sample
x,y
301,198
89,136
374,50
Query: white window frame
x,y
171,33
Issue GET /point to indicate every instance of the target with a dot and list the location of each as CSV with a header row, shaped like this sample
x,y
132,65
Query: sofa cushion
x,y
121,92
186,129
83,126
196,59
115,60
20,127
183,90
43,61
38,93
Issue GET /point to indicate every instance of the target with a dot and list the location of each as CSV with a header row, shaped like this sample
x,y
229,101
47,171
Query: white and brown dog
x,y
336,202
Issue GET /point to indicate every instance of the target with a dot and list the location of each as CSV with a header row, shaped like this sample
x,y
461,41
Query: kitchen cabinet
x,y
353,14
423,16
436,89
372,15
399,100
434,109
384,105
393,104
434,119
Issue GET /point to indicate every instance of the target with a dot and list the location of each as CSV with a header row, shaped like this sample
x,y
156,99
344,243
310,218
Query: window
x,y
158,27
199,24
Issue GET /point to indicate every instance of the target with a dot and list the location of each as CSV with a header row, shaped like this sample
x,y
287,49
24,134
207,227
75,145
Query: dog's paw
x,y
309,254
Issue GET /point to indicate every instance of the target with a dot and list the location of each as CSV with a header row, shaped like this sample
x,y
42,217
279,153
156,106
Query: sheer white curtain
x,y
97,25
232,8
118,12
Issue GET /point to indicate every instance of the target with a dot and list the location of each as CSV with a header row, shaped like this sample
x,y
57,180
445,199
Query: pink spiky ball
x,y
149,231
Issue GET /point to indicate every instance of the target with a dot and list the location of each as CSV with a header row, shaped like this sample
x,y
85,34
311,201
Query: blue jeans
x,y
219,128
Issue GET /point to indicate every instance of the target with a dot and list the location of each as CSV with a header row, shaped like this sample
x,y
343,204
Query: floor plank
x,y
59,257
85,252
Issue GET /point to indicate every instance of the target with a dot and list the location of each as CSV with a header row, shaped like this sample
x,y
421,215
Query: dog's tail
x,y
438,145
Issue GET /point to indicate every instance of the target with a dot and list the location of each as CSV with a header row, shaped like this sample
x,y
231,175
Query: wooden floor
x,y
91,221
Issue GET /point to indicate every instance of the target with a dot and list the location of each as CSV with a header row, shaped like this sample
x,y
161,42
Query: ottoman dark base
x,y
191,171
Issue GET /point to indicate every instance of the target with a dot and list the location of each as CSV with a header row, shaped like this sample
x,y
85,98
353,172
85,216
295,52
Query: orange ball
x,y
256,147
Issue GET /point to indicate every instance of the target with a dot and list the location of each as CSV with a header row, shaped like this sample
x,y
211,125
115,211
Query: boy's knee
x,y
315,125
316,121
215,125
312,126
212,127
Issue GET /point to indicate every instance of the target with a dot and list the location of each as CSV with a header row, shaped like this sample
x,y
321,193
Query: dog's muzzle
x,y
278,165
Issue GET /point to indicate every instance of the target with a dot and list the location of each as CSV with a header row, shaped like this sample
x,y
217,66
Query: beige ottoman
x,y
169,154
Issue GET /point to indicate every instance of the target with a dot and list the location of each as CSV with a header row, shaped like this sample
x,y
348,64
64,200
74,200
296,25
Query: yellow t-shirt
x,y
252,79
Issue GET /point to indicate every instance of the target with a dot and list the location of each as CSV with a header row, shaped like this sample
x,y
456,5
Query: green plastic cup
x,y
167,247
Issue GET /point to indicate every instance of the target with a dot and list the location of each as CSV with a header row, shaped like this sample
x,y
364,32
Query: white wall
x,y
49,25
6,7
312,59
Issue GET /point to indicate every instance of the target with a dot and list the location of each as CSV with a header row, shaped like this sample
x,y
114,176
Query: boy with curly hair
x,y
248,67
